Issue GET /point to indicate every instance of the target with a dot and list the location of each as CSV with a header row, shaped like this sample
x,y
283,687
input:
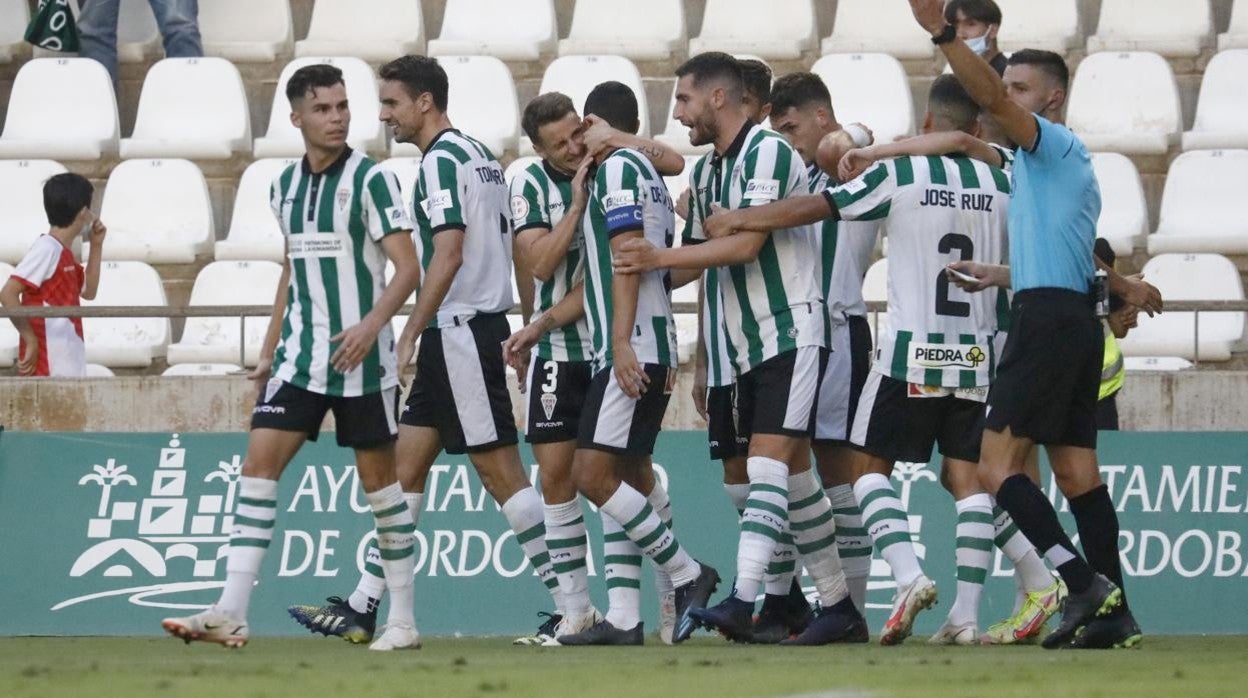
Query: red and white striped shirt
x,y
53,277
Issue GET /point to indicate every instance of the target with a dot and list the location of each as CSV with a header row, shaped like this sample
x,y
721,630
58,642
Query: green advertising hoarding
x,y
105,534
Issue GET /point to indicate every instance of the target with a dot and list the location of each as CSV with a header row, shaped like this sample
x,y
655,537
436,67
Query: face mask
x,y
979,44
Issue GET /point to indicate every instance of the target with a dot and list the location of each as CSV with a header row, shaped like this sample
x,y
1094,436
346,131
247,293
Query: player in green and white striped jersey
x,y
330,348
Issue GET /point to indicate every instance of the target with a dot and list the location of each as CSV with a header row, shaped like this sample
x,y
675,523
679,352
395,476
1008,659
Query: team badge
x,y
271,389
519,208
343,198
549,400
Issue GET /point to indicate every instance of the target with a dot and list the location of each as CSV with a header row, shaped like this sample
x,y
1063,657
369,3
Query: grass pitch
x,y
101,667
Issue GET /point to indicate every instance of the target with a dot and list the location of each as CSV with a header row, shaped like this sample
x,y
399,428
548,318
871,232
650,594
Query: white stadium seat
x,y
407,170
201,370
875,288
776,30
1173,28
61,108
885,27
14,16
576,76
1124,212
376,31
1184,277
1125,102
1156,363
641,30
216,339
1052,25
686,333
191,108
1236,35
1204,207
869,88
8,333
514,30
1220,111
157,211
254,230
366,133
127,342
246,31
22,218
97,371
482,101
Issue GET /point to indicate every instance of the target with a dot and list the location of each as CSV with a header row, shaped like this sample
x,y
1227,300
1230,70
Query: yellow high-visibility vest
x,y
1113,370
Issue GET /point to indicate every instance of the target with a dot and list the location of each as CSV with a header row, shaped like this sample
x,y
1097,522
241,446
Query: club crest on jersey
x,y
549,400
343,197
519,208
946,356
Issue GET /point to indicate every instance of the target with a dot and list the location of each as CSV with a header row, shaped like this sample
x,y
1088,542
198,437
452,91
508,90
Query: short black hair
x,y
985,11
64,196
615,103
714,65
797,90
756,79
310,77
1048,62
545,109
419,74
949,101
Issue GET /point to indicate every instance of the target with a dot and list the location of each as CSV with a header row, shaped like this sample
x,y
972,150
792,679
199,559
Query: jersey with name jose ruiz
x,y
334,222
844,255
772,304
461,186
719,368
540,196
939,210
627,195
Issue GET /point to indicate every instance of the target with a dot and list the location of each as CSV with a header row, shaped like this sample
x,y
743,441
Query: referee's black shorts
x,y
1050,370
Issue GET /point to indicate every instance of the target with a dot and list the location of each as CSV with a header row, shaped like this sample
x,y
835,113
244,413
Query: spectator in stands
x,y
178,21
50,276
978,22
1122,319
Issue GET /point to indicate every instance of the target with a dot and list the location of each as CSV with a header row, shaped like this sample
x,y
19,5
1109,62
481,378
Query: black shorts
x,y
615,423
894,423
1049,375
556,397
364,421
461,386
722,421
779,395
849,362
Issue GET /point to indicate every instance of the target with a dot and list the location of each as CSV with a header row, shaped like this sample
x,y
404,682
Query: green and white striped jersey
x,y
844,255
939,210
719,368
334,222
771,305
628,195
461,186
540,195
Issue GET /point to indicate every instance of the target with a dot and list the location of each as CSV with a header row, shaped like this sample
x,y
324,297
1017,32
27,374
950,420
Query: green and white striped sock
x,y
1029,570
396,536
662,505
368,591
656,541
814,532
763,524
888,526
973,553
852,542
255,512
567,543
621,564
525,515
783,566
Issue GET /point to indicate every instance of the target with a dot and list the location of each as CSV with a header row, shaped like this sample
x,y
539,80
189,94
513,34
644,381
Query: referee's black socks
x,y
1035,517
1098,532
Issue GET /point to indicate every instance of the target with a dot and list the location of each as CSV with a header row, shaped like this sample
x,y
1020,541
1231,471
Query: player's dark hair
x,y
798,90
756,79
545,109
715,65
418,74
64,196
949,101
1049,63
985,11
310,77
614,103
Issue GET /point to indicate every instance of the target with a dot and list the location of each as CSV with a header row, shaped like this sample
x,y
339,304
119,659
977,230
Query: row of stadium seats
x,y
524,30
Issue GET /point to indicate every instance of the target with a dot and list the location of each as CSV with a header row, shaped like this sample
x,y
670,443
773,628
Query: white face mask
x,y
979,44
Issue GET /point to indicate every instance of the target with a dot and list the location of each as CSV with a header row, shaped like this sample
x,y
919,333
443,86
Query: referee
x,y
1046,386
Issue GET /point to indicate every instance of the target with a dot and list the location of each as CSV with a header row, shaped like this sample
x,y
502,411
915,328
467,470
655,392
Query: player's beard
x,y
704,129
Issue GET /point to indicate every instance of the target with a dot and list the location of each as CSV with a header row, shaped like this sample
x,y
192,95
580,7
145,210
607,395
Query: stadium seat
x,y
22,218
366,133
875,288
1189,277
1223,102
777,30
869,88
158,211
216,339
1236,35
98,371
575,76
1204,207
1124,212
9,338
686,332
1125,102
201,370
385,30
640,30
1050,26
127,342
246,31
254,230
191,108
884,27
481,102
408,171
516,30
14,16
1172,28
1155,363
61,108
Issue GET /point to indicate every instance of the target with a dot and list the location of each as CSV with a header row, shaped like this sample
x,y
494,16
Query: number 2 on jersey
x,y
966,249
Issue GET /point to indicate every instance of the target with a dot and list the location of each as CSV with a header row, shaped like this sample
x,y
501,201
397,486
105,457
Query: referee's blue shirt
x,y
1053,211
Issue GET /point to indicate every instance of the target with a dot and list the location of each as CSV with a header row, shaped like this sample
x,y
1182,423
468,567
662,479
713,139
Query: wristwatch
x,y
949,33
